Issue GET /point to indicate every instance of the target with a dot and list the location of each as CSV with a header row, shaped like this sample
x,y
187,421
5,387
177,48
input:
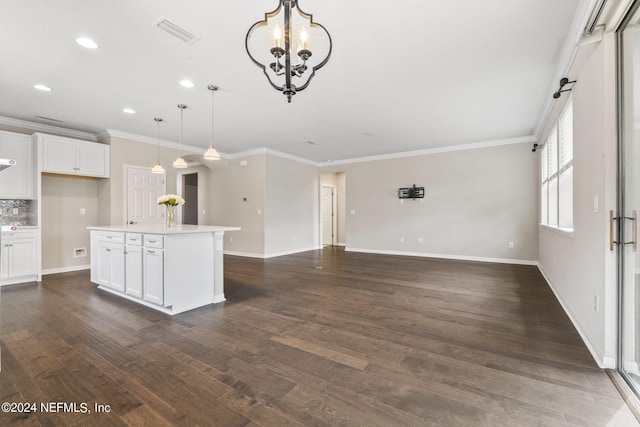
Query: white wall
x,y
580,267
477,201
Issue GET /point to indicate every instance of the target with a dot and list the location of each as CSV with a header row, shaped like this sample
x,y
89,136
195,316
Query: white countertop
x,y
163,229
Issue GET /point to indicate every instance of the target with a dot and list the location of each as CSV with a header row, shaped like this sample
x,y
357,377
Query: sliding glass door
x,y
629,199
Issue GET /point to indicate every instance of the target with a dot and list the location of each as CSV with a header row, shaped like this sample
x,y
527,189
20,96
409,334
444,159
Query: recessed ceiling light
x,y
42,88
129,110
187,83
87,42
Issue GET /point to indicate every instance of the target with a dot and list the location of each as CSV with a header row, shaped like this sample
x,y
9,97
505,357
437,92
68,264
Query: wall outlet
x,y
243,163
230,239
83,211
259,211
511,245
353,211
294,237
420,240
79,252
402,240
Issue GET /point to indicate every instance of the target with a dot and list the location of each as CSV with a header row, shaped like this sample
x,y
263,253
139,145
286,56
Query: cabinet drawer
x,y
134,239
153,241
18,234
112,237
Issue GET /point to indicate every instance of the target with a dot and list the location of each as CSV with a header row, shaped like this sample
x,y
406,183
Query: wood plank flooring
x,y
313,339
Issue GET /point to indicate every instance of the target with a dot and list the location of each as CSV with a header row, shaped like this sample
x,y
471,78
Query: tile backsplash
x,y
18,212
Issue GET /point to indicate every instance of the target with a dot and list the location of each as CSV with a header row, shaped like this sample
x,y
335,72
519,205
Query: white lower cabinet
x,y
18,257
153,275
130,264
111,266
133,271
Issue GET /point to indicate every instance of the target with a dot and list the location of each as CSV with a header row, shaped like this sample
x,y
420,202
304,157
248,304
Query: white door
x,y
143,189
327,216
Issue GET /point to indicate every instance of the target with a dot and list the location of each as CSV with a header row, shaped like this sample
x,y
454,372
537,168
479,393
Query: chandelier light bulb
x,y
277,33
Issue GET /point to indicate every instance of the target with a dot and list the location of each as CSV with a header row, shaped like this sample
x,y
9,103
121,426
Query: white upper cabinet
x,y
74,157
16,182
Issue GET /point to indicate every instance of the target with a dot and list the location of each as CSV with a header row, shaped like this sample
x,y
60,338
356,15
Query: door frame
x,y
334,214
180,191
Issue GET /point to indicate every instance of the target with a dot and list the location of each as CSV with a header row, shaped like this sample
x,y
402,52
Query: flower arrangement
x,y
170,201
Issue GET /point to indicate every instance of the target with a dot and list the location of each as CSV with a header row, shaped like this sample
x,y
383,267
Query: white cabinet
x,y
18,257
16,181
74,157
153,275
129,263
133,270
111,265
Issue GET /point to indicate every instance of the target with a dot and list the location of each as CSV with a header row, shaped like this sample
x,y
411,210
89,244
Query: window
x,y
556,174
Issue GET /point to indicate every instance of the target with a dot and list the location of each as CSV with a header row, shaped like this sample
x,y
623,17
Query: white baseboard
x,y
66,269
631,367
341,244
596,352
446,256
270,255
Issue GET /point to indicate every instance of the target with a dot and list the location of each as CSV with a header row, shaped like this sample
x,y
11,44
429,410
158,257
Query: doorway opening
x,y
332,209
190,195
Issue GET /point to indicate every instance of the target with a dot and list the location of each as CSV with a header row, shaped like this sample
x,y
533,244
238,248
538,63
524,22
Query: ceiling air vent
x,y
49,119
176,31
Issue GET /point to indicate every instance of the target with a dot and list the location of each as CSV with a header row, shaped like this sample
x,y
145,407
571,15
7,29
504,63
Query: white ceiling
x,y
404,75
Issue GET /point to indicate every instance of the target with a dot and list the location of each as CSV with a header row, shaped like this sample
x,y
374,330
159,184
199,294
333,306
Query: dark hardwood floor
x,y
318,338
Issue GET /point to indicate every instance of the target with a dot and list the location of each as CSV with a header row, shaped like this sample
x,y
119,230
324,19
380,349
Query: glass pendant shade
x,y
158,169
179,162
212,153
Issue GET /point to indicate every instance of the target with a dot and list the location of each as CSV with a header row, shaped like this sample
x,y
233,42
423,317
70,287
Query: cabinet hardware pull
x,y
108,250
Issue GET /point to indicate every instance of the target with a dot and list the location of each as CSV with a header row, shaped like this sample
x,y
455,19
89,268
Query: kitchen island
x,y
170,269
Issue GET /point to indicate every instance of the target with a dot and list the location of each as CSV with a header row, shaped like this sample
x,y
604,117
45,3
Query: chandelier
x,y
282,71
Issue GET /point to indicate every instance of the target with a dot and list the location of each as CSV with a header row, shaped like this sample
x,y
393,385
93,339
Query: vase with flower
x,y
171,201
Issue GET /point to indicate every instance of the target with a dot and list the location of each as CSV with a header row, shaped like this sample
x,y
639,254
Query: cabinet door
x,y
59,155
17,180
117,268
111,266
22,257
153,276
92,159
133,271
4,260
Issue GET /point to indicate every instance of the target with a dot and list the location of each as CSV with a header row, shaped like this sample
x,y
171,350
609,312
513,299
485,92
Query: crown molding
x,y
40,127
147,140
460,147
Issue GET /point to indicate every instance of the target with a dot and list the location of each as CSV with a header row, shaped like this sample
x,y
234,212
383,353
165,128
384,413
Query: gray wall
x,y
477,201
291,206
236,194
579,266
63,227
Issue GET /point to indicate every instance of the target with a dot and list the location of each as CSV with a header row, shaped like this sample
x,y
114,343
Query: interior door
x,y
327,215
143,190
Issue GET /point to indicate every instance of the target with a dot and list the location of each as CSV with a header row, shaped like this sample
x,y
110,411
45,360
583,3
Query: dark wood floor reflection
x,y
318,338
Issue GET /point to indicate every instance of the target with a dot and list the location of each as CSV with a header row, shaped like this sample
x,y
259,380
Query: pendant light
x,y
158,167
212,153
180,163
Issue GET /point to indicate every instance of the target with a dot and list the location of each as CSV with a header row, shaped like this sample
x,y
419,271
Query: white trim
x,y
471,146
271,255
39,127
151,141
568,232
596,352
341,244
65,269
446,256
631,367
271,152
